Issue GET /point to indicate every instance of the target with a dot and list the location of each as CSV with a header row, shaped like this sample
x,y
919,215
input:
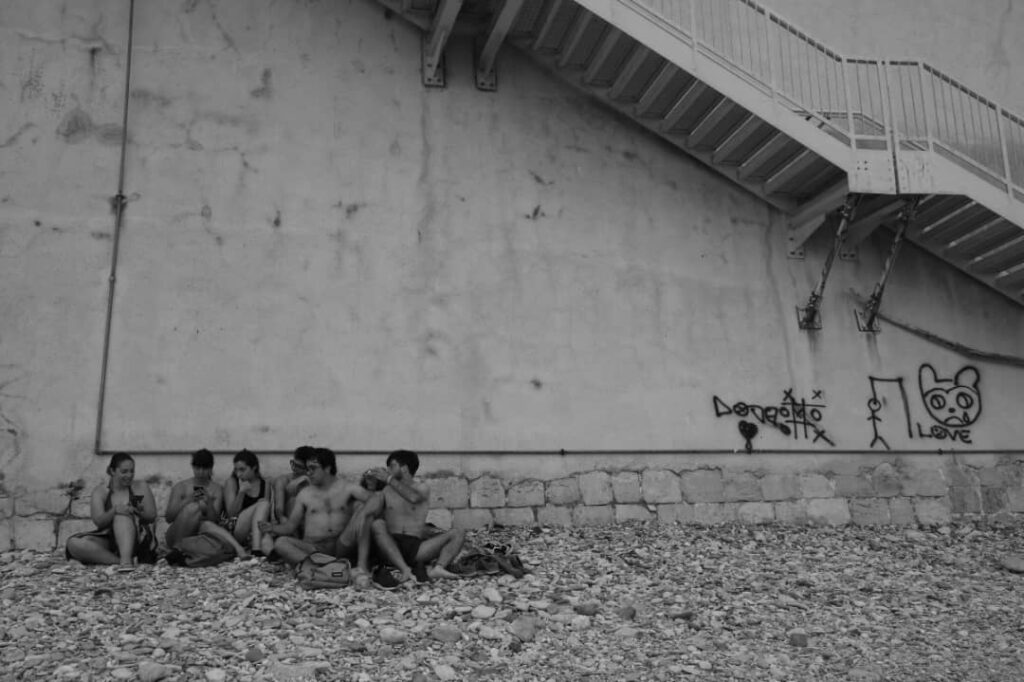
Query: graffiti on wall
x,y
951,405
794,417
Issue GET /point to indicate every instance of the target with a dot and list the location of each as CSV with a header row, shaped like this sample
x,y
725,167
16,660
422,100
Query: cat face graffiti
x,y
952,402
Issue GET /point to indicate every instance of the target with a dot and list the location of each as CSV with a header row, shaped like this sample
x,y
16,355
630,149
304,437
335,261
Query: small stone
x,y
627,613
1013,562
445,672
524,628
916,536
122,674
392,636
626,633
579,622
446,633
487,632
492,595
588,609
483,612
253,654
680,614
151,672
797,637
216,675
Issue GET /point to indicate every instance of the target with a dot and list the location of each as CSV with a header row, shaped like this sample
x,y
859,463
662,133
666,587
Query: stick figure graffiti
x,y
888,396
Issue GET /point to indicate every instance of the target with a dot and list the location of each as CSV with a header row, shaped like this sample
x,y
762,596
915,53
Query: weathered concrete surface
x,y
318,249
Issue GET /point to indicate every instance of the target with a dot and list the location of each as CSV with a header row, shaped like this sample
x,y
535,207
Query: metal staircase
x,y
747,93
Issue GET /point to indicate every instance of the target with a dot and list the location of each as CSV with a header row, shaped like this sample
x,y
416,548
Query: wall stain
x,y
276,222
541,181
32,85
265,90
75,127
18,133
100,236
144,97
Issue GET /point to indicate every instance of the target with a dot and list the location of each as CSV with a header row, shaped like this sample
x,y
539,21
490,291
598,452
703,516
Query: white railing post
x,y
768,42
1004,150
849,103
925,109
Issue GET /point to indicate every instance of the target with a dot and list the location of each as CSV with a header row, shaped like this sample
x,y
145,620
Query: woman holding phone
x,y
123,510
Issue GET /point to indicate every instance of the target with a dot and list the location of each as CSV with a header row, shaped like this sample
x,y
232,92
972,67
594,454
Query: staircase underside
x,y
804,162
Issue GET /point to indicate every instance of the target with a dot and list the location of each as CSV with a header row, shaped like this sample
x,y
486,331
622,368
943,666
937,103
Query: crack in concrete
x,y
14,138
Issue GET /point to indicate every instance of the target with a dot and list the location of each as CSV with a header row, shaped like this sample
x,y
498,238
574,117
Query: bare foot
x,y
436,572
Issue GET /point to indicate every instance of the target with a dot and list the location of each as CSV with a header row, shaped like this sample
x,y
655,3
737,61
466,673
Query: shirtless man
x,y
401,533
331,515
195,505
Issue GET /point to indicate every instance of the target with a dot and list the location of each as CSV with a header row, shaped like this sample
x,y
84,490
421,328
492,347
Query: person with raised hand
x,y
195,506
123,510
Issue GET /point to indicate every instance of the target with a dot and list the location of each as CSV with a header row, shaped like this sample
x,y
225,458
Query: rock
x,y
588,609
1013,562
524,628
579,622
122,674
445,672
626,633
797,637
483,612
151,672
627,613
391,635
446,633
216,675
253,655
916,536
492,595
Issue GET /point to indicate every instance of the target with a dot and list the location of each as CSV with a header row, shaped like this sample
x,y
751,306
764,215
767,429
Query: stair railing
x,y
871,104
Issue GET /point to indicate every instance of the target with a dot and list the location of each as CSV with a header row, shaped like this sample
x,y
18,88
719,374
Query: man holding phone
x,y
196,503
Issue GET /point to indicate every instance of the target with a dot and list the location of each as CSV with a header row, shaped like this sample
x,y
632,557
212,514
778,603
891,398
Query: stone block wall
x,y
886,493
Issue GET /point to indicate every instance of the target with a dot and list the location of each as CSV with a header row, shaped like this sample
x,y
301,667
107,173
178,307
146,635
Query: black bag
x,y
197,551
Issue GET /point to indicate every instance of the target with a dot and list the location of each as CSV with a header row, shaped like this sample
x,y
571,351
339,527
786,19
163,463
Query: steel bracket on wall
x,y
867,319
485,52
809,317
433,44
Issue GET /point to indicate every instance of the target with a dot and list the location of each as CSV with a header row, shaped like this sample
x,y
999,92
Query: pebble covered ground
x,y
630,602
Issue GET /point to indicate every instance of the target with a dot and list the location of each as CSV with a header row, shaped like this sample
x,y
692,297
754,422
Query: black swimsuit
x,y
250,501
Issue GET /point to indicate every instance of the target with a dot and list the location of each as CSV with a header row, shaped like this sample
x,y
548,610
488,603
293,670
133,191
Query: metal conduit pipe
x,y
118,203
592,453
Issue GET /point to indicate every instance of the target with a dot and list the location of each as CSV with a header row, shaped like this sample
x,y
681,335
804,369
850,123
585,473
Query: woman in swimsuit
x,y
246,500
123,510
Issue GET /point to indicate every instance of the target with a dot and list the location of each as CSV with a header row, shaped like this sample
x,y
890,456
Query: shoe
x,y
387,578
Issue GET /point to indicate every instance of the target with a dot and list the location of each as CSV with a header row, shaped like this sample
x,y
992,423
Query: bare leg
x,y
357,536
92,550
185,523
389,548
293,550
211,528
244,524
444,547
125,534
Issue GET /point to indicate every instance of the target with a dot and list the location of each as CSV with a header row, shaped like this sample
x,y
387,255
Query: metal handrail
x,y
866,103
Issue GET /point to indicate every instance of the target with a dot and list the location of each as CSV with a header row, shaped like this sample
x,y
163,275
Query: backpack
x,y
322,571
197,551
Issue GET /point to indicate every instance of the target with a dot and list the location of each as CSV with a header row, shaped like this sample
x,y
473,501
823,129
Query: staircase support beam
x,y
665,75
809,317
683,104
579,29
711,119
771,147
604,51
486,77
867,318
628,73
798,165
736,138
435,40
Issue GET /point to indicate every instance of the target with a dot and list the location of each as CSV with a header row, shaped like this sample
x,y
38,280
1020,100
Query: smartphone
x,y
135,501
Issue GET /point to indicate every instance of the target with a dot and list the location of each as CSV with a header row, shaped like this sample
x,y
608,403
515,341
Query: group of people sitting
x,y
309,510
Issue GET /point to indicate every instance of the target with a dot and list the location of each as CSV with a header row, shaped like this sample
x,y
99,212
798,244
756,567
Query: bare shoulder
x,y
100,490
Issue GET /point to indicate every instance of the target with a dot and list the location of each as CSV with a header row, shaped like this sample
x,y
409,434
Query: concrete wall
x,y
317,249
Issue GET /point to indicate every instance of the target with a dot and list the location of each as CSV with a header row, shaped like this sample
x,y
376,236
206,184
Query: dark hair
x,y
117,459
304,453
406,458
248,459
203,459
326,459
